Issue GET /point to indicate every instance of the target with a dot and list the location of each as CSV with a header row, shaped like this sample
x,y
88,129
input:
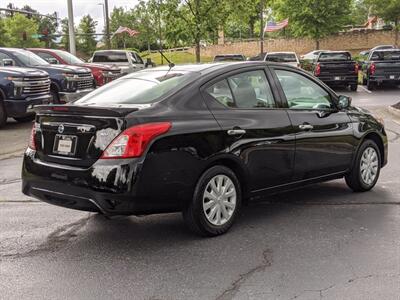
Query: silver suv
x,y
128,61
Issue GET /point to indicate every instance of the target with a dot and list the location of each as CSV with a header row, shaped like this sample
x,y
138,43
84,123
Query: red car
x,y
101,73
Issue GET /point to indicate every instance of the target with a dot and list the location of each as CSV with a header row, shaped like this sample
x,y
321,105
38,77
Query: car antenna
x,y
170,64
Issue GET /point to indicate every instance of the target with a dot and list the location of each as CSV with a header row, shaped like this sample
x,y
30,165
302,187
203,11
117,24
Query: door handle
x,y
236,132
306,127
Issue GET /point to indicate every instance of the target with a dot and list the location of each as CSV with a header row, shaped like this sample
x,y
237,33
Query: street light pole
x,y
71,28
261,26
108,42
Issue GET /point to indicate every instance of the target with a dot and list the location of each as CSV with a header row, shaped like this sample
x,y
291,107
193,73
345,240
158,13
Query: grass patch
x,y
177,58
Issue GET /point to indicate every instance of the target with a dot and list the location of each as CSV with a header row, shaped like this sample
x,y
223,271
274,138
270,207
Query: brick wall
x,y
350,41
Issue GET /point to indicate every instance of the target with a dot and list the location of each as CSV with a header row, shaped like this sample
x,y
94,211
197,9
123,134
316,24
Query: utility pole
x,y
71,28
261,26
108,42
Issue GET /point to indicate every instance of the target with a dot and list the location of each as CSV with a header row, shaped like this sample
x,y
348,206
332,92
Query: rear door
x,y
255,127
324,135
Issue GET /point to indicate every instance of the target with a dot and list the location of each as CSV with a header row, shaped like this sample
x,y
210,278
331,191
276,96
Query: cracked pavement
x,y
320,242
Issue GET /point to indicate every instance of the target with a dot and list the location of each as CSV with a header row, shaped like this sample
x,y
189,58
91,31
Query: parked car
x,y
336,68
128,61
102,73
380,47
381,66
307,60
229,57
289,58
68,83
258,57
200,139
20,90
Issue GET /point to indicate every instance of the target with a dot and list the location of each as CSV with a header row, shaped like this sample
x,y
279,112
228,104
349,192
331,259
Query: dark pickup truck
x,y
381,66
336,68
20,90
68,83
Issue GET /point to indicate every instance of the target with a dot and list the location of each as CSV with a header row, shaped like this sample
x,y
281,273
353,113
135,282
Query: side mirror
x,y
344,102
7,62
53,61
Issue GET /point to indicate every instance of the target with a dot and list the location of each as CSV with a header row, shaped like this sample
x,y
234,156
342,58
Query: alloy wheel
x,y
369,165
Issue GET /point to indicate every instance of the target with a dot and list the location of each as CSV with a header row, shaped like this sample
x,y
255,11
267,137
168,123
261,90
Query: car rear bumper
x,y
339,80
111,187
23,107
72,96
385,78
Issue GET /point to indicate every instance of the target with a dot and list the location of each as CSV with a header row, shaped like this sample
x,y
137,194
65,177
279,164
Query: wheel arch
x,y
378,141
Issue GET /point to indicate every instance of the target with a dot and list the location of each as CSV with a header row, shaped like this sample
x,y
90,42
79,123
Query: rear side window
x,y
281,57
244,90
113,57
341,56
385,55
46,56
303,93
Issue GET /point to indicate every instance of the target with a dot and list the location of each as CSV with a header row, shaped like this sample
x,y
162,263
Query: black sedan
x,y
201,139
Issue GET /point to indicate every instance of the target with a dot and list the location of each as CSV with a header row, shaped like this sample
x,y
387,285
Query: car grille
x,y
85,81
36,85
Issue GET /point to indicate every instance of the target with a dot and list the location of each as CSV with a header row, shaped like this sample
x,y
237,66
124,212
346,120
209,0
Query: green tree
x,y
86,41
314,19
389,10
65,33
3,33
19,30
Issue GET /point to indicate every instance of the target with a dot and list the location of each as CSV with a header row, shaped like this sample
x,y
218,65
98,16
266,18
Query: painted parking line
x,y
365,89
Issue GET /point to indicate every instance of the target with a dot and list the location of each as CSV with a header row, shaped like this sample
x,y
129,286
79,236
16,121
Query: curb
x,y
394,111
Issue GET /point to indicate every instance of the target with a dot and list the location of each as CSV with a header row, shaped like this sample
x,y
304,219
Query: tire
x,y
364,81
370,85
203,214
24,119
369,156
3,114
55,99
353,87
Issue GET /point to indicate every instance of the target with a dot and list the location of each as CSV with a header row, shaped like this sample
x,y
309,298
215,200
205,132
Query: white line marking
x,y
365,89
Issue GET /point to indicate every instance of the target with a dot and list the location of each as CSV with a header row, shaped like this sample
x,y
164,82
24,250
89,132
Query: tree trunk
x,y
316,44
197,51
396,33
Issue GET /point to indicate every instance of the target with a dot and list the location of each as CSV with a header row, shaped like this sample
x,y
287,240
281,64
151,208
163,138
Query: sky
x,y
81,8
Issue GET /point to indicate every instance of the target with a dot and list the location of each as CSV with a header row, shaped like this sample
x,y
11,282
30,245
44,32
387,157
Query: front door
x,y
324,134
255,128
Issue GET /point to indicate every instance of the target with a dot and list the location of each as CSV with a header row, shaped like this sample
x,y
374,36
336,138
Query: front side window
x,y
303,93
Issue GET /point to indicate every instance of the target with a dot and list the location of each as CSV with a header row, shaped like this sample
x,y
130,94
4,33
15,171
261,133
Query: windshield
x,y
139,88
386,55
229,58
29,59
281,57
68,57
339,56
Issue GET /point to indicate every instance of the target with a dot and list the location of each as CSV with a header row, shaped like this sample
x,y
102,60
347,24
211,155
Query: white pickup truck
x,y
128,61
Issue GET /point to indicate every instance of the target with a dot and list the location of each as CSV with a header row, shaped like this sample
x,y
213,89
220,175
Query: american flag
x,y
122,29
272,26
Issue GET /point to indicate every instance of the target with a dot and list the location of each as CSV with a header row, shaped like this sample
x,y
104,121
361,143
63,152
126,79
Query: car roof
x,y
283,52
113,50
386,50
231,54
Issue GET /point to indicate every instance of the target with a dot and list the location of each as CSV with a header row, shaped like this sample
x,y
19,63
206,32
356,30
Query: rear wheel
x,y
55,99
216,202
366,169
353,87
3,114
370,85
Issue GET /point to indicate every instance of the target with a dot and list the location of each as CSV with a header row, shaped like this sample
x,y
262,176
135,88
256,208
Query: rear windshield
x,y
281,57
113,57
139,88
385,55
337,56
229,58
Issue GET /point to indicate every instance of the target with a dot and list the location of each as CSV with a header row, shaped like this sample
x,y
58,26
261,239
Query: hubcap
x,y
219,200
369,165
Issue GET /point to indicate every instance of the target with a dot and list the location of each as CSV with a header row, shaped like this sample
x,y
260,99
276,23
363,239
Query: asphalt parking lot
x,y
322,241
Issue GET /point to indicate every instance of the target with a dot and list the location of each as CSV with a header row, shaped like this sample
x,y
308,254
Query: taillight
x,y
356,69
317,71
372,69
32,143
133,141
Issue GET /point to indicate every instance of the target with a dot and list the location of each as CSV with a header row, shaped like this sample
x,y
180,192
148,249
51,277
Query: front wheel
x,y
216,202
3,114
366,169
